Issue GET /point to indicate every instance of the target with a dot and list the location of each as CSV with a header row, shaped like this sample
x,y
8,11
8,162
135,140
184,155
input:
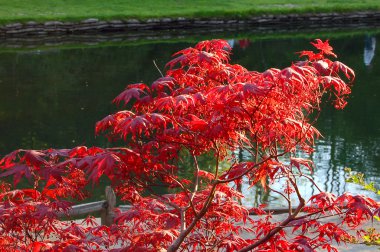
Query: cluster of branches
x,y
202,105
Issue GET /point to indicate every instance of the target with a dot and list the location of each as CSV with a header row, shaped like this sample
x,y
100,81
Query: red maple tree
x,y
203,105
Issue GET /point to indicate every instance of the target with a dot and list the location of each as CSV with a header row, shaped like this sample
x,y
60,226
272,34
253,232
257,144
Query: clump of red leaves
x,y
202,105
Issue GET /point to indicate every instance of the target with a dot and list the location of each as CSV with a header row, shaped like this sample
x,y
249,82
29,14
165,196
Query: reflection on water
x,y
53,97
329,174
369,49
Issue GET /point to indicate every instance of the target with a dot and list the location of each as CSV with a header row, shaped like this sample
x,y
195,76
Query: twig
x,y
154,62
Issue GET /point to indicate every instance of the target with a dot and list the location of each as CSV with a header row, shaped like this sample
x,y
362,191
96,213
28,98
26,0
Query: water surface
x,y
52,97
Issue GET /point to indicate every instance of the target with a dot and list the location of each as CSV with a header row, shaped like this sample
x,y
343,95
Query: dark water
x,y
53,97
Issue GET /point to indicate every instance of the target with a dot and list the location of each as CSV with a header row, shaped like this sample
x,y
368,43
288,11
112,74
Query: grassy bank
x,y
74,10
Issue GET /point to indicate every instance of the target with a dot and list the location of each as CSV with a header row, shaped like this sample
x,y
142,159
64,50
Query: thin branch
x,y
217,161
275,230
165,201
154,62
196,182
175,245
183,220
284,196
312,181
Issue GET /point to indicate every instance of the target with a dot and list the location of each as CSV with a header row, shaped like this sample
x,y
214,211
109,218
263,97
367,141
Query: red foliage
x,y
203,105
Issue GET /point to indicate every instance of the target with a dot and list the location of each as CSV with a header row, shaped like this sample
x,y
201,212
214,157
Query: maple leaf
x,y
322,67
165,103
339,66
195,123
324,200
162,83
205,174
35,158
39,246
103,163
8,159
182,59
297,162
170,220
132,91
19,196
17,171
311,55
237,170
253,89
324,47
79,151
213,45
303,243
184,102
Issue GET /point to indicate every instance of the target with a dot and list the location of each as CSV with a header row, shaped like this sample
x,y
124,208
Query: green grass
x,y
42,10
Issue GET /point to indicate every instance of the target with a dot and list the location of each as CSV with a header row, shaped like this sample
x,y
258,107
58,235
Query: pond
x,y
52,96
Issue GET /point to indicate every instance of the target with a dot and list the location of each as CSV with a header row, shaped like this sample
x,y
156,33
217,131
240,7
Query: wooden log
x,y
279,210
124,208
107,214
83,209
105,207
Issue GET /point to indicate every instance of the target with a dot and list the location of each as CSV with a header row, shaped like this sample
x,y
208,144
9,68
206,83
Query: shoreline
x,y
96,26
26,42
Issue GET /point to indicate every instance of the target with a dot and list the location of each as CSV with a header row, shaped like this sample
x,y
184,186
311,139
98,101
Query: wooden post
x,y
107,214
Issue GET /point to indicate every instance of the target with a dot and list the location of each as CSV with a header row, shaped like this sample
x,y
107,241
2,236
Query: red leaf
x,y
311,55
297,162
339,66
324,47
39,246
237,170
18,171
195,123
162,83
7,160
253,89
35,158
133,91
205,174
170,220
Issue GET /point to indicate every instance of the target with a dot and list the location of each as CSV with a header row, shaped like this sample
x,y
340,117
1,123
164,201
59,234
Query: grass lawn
x,y
42,10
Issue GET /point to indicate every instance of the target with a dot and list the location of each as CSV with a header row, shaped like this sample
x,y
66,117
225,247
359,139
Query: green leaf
x,y
367,238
